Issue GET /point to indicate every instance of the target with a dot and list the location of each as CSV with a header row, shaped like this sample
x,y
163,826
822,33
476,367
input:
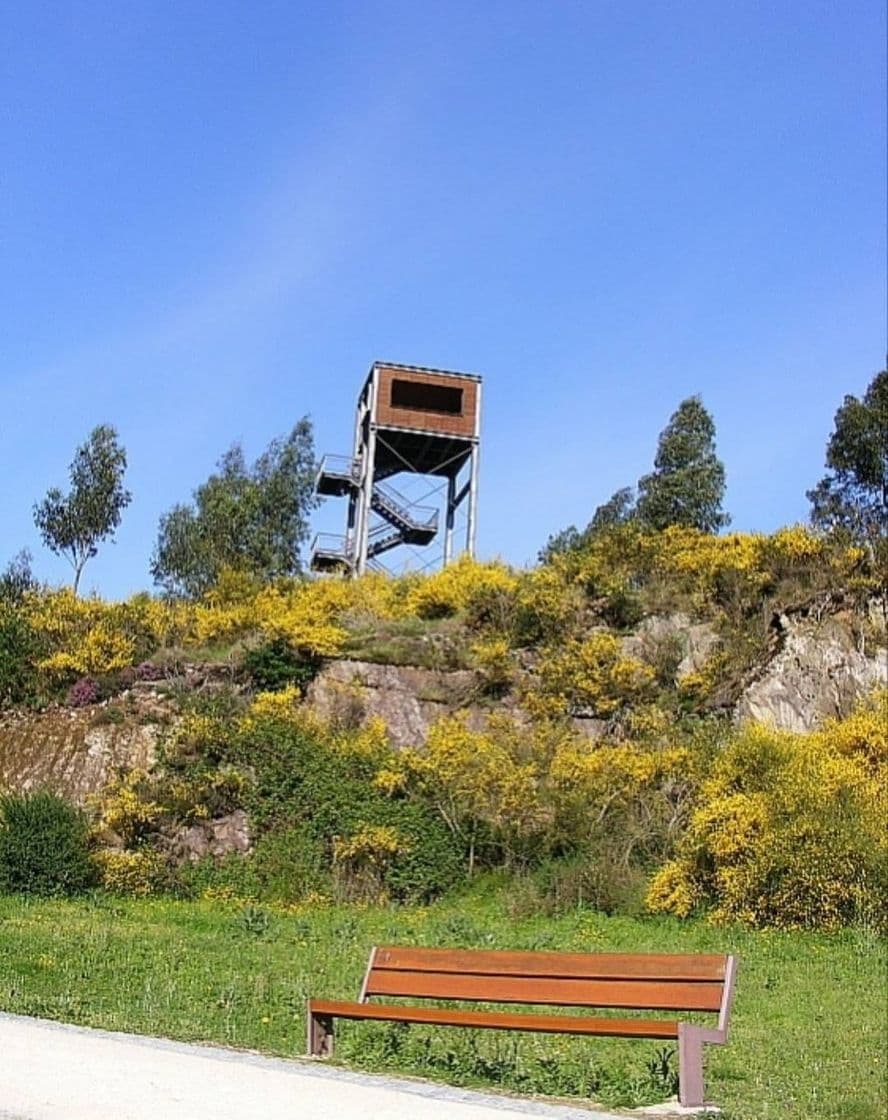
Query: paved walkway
x,y
54,1072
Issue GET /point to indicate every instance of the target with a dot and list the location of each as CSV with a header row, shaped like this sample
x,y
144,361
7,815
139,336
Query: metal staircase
x,y
401,521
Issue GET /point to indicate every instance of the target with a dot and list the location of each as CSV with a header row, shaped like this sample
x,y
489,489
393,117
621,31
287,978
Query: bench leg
x,y
320,1035
690,1065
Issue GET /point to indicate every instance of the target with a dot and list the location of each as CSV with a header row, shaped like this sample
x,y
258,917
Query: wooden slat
x,y
499,1020
590,966
672,995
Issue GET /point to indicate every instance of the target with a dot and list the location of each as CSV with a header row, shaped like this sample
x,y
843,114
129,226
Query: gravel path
x,y
54,1072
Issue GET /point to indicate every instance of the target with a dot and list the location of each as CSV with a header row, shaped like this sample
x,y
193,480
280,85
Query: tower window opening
x,y
420,396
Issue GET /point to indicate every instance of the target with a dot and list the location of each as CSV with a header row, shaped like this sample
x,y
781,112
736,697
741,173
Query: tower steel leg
x,y
350,526
471,520
365,498
369,475
450,517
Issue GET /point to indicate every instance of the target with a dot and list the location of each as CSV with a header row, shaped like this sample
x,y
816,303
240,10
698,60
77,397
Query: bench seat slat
x,y
589,966
650,995
501,1020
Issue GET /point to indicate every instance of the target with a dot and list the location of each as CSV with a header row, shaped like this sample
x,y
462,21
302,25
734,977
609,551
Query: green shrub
x,y
289,864
232,877
597,880
275,664
306,788
432,862
19,648
44,846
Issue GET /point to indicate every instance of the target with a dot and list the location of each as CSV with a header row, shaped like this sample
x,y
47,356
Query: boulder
x,y
818,673
217,838
675,637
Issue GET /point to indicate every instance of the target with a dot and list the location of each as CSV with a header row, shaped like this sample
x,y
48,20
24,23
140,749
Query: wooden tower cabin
x,y
414,421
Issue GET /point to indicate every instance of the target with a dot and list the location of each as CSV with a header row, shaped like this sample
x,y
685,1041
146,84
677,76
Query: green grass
x,y
807,1038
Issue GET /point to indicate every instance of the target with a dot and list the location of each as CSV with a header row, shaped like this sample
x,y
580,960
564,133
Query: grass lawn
x,y
807,1040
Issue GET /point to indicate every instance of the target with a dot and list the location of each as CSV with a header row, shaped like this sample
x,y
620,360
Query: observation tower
x,y
410,420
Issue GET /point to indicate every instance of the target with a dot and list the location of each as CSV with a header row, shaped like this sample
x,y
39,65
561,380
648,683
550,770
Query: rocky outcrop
x,y
75,752
673,643
817,673
217,838
408,699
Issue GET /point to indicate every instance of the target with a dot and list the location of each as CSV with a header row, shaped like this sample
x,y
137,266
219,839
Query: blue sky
x,y
213,217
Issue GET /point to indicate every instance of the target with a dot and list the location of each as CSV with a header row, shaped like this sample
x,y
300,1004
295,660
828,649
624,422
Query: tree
x,y
565,540
74,524
17,578
854,495
251,519
687,485
617,510
19,646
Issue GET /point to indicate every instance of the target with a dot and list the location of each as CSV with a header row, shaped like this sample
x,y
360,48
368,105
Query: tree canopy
x,y
253,519
17,578
74,524
687,484
617,510
854,494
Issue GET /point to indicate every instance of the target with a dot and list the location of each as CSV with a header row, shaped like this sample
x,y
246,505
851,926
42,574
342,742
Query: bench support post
x,y
320,1035
690,1066
690,1062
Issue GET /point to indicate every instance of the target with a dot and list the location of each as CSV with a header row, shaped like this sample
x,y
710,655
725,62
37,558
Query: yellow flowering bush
x,y
222,622
136,873
137,804
615,577
371,844
549,601
456,587
732,571
195,735
85,636
495,662
306,616
592,675
377,596
863,736
128,808
788,830
477,780
361,861
89,636
283,704
369,742
632,798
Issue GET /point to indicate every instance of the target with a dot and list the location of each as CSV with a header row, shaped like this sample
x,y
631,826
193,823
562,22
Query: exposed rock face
x,y
408,699
589,727
816,674
216,838
76,752
673,636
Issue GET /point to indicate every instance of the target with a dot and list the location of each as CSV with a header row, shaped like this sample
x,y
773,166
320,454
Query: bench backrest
x,y
667,982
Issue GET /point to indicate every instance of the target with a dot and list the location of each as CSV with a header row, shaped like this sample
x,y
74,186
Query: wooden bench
x,y
658,982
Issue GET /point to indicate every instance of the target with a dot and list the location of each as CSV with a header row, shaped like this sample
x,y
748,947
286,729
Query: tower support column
x,y
450,517
366,438
472,516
